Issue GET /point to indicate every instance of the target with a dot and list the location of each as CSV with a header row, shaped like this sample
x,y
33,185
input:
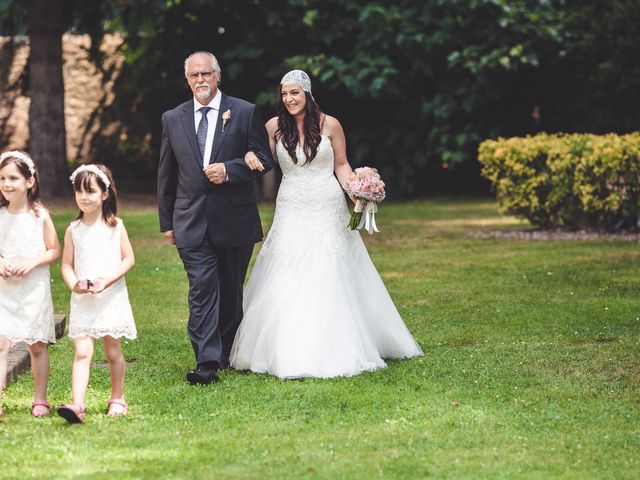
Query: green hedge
x,y
567,181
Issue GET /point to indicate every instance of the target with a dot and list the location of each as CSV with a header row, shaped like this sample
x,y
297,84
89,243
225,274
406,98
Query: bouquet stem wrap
x,y
356,216
368,218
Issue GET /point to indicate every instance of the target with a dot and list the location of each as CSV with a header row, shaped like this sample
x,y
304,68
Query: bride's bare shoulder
x,y
272,126
331,126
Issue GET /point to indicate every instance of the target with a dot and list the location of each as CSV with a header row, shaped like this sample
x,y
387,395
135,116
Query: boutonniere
x,y
226,116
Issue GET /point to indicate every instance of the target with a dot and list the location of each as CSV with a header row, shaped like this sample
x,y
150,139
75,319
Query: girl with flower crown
x,y
28,244
96,256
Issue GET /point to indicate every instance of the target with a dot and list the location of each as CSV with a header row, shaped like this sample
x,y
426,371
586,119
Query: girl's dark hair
x,y
288,131
33,194
82,181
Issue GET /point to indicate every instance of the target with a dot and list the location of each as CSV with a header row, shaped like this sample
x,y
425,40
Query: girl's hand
x,y
6,268
23,266
81,286
97,285
253,162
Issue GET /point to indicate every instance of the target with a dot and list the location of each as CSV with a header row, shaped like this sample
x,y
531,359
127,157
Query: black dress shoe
x,y
224,365
202,376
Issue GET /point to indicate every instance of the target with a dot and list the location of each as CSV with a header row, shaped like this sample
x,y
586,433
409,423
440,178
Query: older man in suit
x,y
208,208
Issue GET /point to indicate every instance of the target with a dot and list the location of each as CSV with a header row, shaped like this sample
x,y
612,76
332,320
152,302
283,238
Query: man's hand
x,y
169,236
216,173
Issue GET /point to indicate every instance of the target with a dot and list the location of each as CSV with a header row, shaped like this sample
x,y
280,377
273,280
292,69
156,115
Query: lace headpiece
x,y
91,168
300,77
23,157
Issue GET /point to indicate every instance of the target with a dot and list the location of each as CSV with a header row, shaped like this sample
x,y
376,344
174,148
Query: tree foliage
x,y
417,85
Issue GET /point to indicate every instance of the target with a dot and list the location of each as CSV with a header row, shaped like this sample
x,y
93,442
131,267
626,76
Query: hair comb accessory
x,y
22,157
91,168
300,77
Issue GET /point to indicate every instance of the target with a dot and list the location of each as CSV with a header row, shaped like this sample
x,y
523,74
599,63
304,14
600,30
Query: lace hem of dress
x,y
30,340
291,374
103,332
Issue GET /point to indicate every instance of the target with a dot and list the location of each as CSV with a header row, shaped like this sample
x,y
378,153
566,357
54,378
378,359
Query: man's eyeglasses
x,y
205,75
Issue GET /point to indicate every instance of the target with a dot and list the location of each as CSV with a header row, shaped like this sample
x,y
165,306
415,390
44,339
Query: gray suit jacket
x,y
192,206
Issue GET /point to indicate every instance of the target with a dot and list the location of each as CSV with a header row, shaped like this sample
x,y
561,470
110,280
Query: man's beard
x,y
203,94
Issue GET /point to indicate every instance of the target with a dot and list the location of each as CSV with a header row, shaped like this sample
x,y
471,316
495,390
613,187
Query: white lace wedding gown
x,y
314,305
26,309
96,253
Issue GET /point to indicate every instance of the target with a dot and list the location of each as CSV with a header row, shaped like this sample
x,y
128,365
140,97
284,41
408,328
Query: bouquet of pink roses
x,y
366,186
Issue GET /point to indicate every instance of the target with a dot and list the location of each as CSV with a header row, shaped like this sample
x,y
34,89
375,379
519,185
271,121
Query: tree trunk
x,y
47,143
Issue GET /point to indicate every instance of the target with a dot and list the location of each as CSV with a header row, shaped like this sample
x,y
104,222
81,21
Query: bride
x,y
314,305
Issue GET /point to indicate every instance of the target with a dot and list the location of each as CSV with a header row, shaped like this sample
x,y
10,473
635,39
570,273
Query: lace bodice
x,y
96,249
305,183
21,235
310,202
320,168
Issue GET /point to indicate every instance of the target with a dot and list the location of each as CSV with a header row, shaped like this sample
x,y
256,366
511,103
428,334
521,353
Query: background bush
x,y
572,181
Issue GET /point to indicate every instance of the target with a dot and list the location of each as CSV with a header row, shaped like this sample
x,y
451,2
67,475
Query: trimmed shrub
x,y
566,181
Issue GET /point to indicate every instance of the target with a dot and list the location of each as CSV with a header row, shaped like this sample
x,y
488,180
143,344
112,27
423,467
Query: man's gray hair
x,y
214,61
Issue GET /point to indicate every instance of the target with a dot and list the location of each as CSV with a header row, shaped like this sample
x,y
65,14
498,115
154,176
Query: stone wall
x,y
88,91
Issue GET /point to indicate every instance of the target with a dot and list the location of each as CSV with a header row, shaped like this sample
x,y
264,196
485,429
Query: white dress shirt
x,y
212,118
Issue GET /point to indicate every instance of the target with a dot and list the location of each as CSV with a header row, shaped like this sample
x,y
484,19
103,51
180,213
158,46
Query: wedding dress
x,y
314,305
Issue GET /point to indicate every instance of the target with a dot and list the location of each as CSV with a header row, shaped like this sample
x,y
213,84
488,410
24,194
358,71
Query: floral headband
x,y
300,77
23,157
91,168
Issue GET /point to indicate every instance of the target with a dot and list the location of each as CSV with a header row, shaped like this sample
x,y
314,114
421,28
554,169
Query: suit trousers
x,y
216,277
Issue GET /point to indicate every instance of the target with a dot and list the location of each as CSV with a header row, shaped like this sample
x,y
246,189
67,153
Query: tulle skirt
x,y
317,307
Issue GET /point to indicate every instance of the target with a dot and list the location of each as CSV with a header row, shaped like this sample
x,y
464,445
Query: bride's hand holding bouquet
x,y
366,188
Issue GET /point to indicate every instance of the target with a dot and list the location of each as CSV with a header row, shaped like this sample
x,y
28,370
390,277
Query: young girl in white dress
x,y
28,244
314,304
96,256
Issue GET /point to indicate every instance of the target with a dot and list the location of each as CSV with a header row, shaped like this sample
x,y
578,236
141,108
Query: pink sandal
x,y
71,412
40,404
121,403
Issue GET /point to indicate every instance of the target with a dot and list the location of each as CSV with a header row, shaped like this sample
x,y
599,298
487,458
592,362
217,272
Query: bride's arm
x,y
341,165
251,159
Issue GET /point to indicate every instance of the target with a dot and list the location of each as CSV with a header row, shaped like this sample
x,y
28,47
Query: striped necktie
x,y
202,130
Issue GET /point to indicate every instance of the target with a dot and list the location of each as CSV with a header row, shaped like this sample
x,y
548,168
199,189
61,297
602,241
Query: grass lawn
x,y
531,370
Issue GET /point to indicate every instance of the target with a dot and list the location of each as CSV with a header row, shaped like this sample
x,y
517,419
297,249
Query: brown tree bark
x,y
47,144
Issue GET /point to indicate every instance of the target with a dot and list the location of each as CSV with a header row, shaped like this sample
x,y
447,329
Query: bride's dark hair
x,y
288,131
